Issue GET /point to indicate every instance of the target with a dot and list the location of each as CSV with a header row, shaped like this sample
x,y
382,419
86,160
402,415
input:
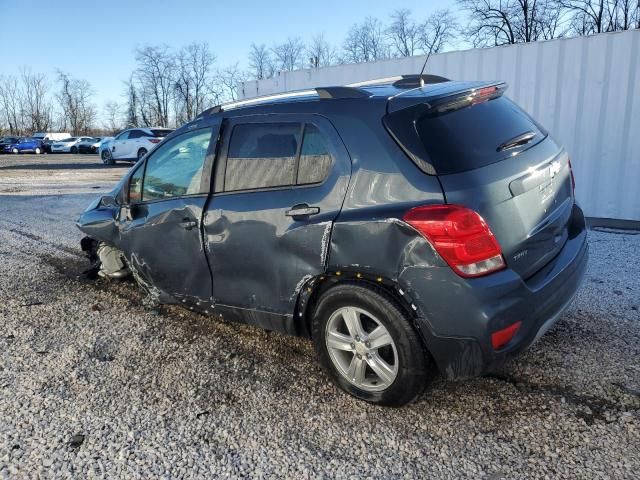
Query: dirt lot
x,y
97,382
56,174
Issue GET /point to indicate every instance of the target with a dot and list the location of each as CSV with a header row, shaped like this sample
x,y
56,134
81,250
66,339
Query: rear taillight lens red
x,y
483,94
500,338
573,179
461,237
154,140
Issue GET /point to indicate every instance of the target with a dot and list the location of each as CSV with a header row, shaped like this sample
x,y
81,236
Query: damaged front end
x,y
106,260
98,222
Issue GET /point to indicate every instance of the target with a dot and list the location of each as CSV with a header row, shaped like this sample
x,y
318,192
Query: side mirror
x,y
108,201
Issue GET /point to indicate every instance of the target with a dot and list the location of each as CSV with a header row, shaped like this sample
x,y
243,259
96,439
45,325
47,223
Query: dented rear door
x,y
280,183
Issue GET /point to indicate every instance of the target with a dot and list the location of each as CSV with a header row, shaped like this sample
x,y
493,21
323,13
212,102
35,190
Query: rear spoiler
x,y
404,111
477,91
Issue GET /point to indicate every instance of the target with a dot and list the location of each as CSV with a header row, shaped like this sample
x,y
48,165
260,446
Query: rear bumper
x,y
459,317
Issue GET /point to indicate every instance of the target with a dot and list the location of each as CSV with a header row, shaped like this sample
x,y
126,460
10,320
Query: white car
x,y
69,145
132,144
52,136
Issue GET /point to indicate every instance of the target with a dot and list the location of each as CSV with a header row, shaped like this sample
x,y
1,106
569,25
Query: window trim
x,y
207,166
226,144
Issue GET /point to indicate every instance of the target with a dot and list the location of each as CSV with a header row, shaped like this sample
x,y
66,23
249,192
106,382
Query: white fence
x,y
585,90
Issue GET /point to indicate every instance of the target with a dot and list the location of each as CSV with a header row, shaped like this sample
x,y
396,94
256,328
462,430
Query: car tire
x,y
15,151
141,153
74,150
107,158
37,151
406,368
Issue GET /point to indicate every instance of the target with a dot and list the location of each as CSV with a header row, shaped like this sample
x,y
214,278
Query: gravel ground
x,y
96,383
56,174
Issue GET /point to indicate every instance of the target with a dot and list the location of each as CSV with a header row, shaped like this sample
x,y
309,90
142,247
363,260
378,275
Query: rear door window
x,y
160,132
262,156
470,137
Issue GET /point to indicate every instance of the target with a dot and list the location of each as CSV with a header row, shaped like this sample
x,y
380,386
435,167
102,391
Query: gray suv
x,y
408,228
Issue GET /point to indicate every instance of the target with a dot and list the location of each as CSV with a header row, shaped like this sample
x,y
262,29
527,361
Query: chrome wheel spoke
x,y
379,338
352,320
357,370
381,368
353,337
339,341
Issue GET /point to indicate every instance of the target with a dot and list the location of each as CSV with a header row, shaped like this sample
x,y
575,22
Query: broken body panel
x,y
249,260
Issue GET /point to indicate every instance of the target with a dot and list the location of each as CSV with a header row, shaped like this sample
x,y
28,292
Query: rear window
x,y
160,132
471,137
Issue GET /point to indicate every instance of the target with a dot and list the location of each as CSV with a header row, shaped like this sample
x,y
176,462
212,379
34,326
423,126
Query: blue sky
x,y
95,40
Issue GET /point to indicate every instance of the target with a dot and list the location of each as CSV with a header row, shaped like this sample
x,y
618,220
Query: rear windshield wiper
x,y
521,139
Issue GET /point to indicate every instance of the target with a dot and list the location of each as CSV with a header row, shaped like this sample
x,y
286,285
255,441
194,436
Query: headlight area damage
x,y
106,260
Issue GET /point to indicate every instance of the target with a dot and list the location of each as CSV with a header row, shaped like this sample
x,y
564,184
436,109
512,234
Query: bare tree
x,y
229,80
193,81
403,33
597,16
366,42
74,98
260,62
438,30
499,22
35,104
155,78
10,104
320,52
289,55
112,117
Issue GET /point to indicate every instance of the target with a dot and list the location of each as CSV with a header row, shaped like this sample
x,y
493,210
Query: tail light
x,y
573,179
460,236
154,140
500,338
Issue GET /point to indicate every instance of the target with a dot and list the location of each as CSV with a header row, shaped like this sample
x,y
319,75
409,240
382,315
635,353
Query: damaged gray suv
x,y
408,227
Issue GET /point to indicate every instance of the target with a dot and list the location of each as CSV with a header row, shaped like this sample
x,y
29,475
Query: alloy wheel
x,y
361,349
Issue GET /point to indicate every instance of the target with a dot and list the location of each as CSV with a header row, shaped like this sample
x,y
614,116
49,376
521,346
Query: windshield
x,y
66,140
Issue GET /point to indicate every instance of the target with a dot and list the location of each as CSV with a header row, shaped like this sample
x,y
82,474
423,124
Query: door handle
x,y
303,210
188,224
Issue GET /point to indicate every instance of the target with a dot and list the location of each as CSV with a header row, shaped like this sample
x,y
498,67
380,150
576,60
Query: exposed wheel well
x,y
316,287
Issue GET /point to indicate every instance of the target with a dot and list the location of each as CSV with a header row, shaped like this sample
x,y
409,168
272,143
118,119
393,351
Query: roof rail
x,y
376,81
258,100
341,92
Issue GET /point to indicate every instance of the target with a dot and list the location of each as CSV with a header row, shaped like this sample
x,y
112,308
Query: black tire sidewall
x,y
413,370
143,154
107,158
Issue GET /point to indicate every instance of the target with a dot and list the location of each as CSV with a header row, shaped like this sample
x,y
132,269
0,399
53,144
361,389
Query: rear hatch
x,y
489,155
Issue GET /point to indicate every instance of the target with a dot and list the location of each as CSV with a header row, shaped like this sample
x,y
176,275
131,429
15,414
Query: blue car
x,y
24,145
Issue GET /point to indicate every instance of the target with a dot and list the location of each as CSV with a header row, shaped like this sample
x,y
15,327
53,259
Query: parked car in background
x,y
4,141
69,145
24,145
405,228
89,146
51,135
133,144
104,151
46,145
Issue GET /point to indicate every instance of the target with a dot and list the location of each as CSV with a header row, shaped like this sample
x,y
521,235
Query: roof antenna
x,y
436,38
421,80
